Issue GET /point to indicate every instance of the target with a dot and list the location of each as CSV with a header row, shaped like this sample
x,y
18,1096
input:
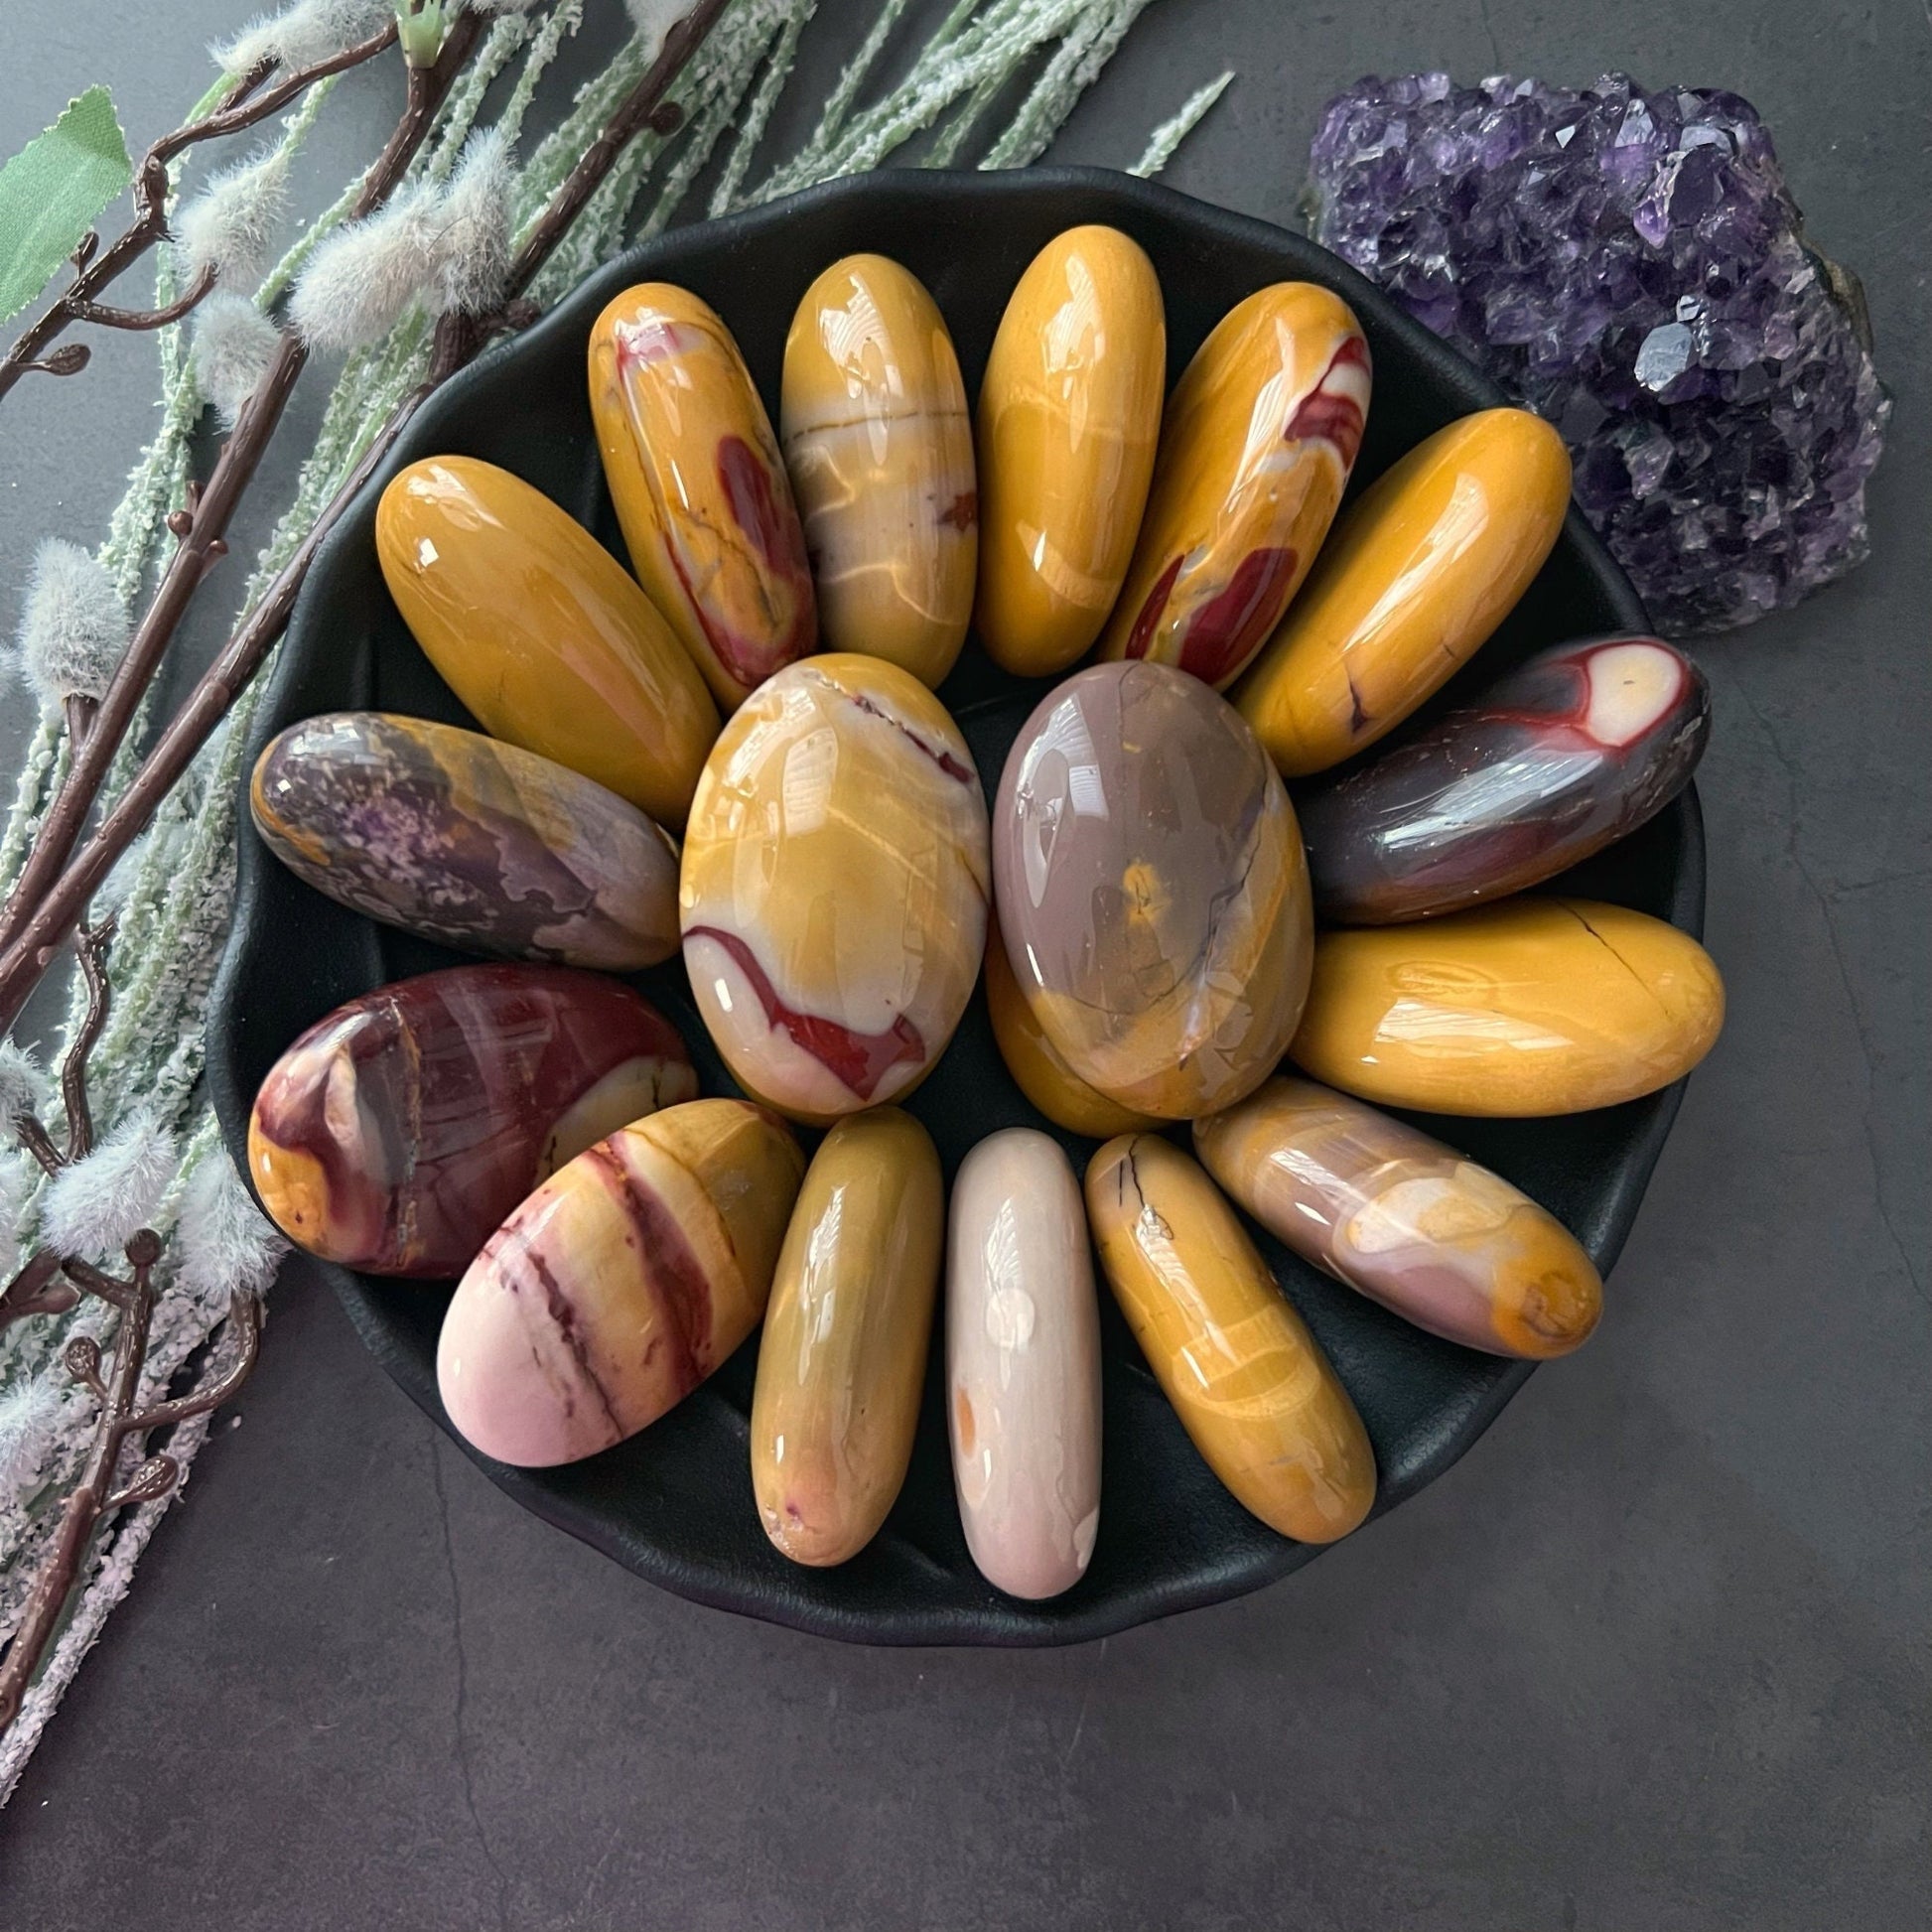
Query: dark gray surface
x,y
1653,1656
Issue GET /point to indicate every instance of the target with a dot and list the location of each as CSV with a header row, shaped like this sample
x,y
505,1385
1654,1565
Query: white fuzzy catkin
x,y
229,226
363,280
655,19
13,1198
235,344
23,1086
495,9
472,225
301,35
28,1414
222,1238
72,623
93,1206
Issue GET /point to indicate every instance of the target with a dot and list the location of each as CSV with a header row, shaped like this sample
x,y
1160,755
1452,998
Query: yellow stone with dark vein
x,y
1529,1007
1250,1384
620,1283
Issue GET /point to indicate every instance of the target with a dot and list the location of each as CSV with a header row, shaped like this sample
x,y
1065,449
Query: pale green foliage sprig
x,y
173,892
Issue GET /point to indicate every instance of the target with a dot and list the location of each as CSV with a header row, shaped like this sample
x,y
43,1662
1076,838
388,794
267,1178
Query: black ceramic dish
x,y
674,1503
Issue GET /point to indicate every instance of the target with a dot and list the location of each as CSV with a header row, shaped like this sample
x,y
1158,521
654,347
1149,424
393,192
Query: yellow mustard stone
x,y
834,889
1251,1386
1418,574
842,1361
699,486
1259,438
880,450
1069,413
1038,1067
1529,1007
541,632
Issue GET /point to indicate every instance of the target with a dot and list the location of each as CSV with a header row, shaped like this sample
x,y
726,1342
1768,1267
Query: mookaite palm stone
x,y
1151,890
1408,1221
842,1360
835,887
1039,1068
1250,1384
1256,448
471,843
1022,1366
396,1133
619,1284
880,450
699,486
1571,752
1069,413
1424,565
542,632
1529,1007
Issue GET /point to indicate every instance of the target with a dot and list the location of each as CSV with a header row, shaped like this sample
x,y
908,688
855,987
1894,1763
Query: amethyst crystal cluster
x,y
1630,265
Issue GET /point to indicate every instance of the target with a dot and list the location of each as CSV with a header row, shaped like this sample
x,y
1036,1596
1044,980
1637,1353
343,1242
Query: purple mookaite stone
x,y
1630,265
1564,756
399,1130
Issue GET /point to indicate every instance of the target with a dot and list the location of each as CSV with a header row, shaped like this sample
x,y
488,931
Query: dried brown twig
x,y
245,105
202,544
53,894
48,901
51,1283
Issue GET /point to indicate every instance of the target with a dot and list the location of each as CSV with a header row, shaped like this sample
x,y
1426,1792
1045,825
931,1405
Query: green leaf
x,y
53,192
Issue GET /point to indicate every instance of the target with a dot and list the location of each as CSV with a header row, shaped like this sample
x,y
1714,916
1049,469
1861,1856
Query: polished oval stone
x,y
1069,413
619,1284
699,486
842,1361
541,632
1022,1366
1250,1384
398,1131
880,450
1530,1007
1417,575
1038,1067
465,841
1571,752
835,887
1411,1223
1151,890
1256,448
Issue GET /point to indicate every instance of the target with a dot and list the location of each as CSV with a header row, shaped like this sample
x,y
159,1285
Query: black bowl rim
x,y
960,190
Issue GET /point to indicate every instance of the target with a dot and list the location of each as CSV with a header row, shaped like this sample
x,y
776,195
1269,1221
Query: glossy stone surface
x,y
397,1132
1256,448
1426,564
1038,1067
1022,1366
1252,1388
1572,750
1531,1007
842,1362
700,487
465,841
1151,890
835,887
541,632
1411,1223
1632,265
1069,414
878,447
619,1284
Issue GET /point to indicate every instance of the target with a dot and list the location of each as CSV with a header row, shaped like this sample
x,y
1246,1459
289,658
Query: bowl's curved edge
x,y
1024,1625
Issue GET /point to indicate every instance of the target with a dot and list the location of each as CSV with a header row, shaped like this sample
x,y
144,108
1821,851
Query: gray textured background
x,y
1653,1656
